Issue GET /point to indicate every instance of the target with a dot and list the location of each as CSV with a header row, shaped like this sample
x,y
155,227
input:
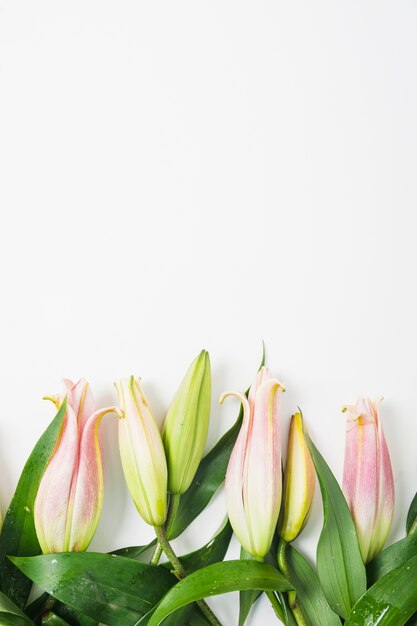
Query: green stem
x,y
276,605
180,572
174,502
292,596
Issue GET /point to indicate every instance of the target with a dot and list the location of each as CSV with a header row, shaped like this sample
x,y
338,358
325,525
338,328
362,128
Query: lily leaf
x,y
339,563
310,595
134,552
391,601
217,579
18,536
111,589
411,524
391,557
248,597
11,615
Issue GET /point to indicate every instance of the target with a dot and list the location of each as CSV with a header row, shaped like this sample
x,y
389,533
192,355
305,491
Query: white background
x,y
178,175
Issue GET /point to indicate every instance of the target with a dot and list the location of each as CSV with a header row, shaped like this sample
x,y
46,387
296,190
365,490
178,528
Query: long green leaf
x,y
134,552
212,552
11,615
248,597
391,557
310,594
18,536
339,562
391,601
411,523
65,612
111,589
216,579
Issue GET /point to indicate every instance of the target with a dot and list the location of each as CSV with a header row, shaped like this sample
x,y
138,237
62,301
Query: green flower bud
x,y
186,425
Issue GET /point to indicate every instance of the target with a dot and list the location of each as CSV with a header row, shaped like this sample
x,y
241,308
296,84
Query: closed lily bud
x,y
299,482
186,424
368,483
253,478
70,495
142,453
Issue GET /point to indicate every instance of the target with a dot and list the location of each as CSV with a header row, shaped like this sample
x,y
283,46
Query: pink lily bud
x,y
142,453
70,495
253,479
368,483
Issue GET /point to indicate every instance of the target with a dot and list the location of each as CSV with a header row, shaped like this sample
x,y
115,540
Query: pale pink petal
x,y
81,398
262,470
262,375
386,494
234,477
87,494
51,503
361,472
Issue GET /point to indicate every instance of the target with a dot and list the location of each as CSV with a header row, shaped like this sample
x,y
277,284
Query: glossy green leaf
x,y
339,563
217,579
310,594
134,552
411,523
391,601
111,589
18,536
248,597
67,613
212,552
11,615
391,557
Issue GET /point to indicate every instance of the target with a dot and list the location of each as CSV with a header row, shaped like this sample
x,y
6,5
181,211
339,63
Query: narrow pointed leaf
x,y
134,552
111,589
11,615
217,579
310,594
248,597
71,615
411,524
391,601
212,552
18,536
391,557
339,563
